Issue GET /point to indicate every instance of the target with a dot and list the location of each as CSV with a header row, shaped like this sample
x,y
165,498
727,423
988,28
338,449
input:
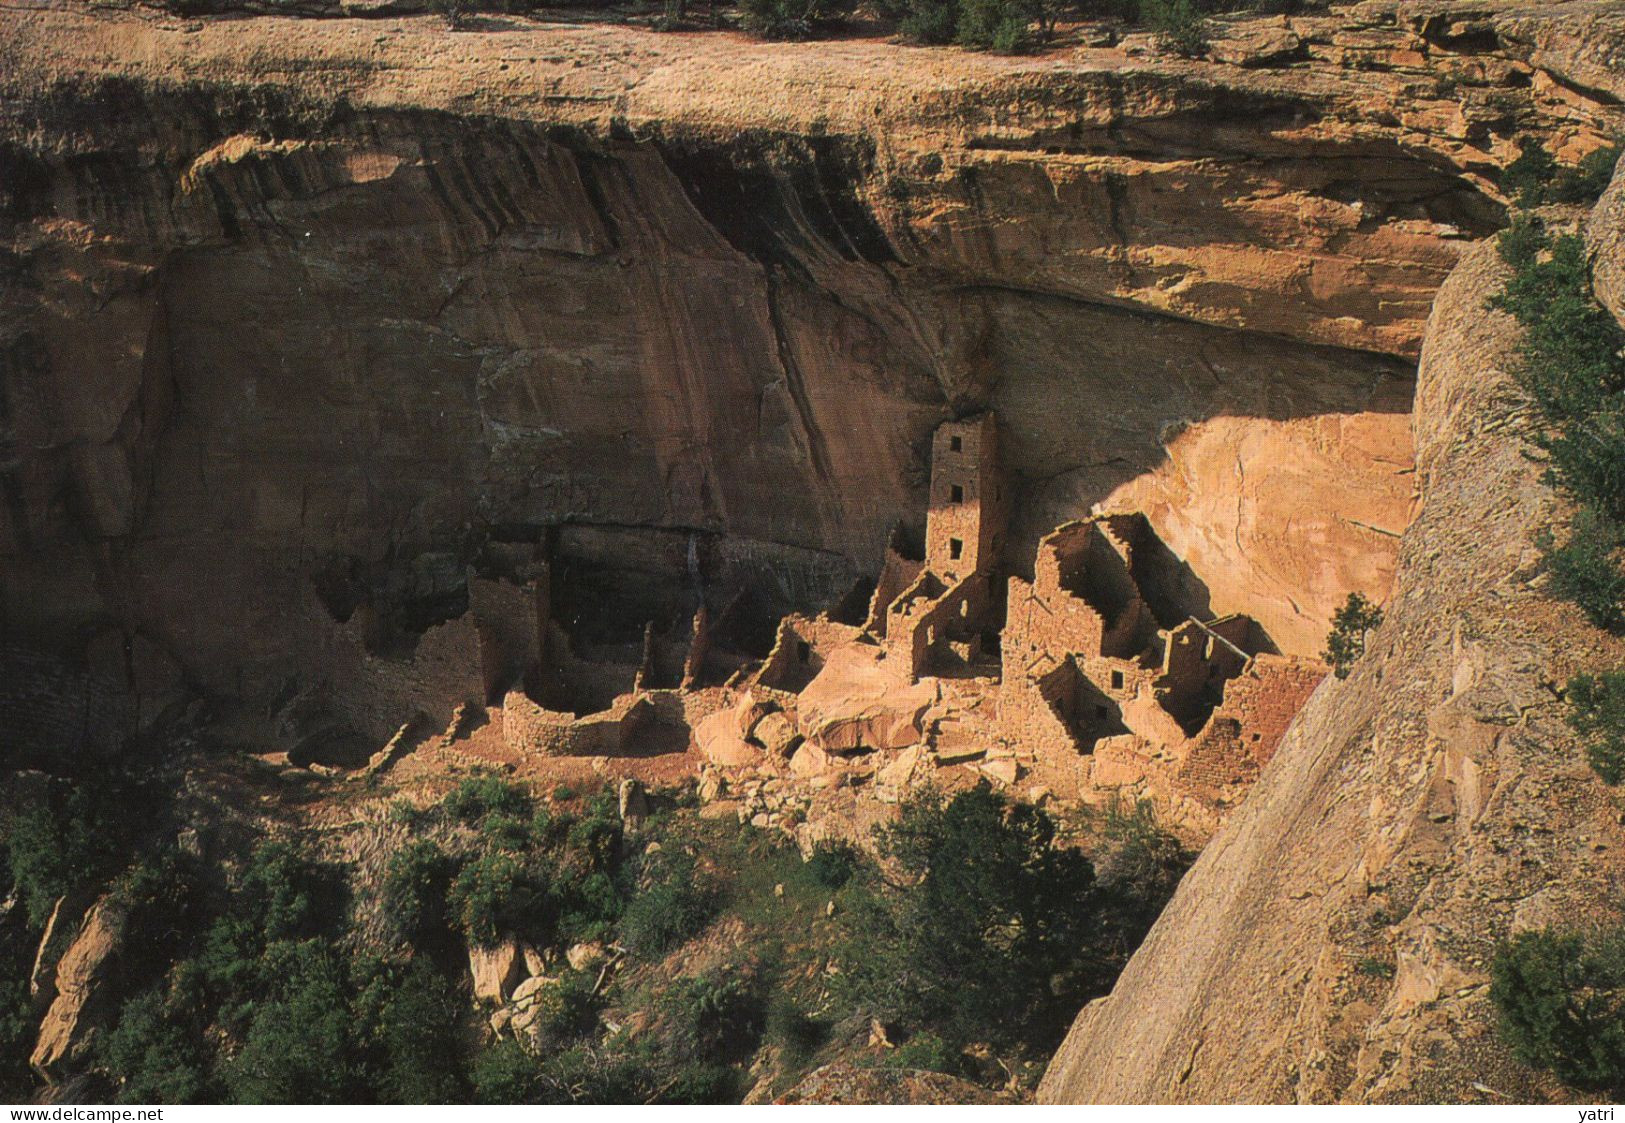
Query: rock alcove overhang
x,y
306,334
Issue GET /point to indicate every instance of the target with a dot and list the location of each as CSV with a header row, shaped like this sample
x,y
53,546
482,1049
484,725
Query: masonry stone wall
x,y
1266,699
897,573
512,621
964,526
47,705
377,694
802,645
1036,710
530,728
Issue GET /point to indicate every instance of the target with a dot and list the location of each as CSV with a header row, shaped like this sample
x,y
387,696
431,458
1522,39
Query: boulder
x,y
1258,45
496,970
634,804
809,760
66,914
83,993
719,740
856,702
721,809
899,772
748,711
1004,772
1117,762
776,733
583,957
525,994
528,999
535,961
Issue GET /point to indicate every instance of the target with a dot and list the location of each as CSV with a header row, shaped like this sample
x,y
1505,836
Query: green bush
x,y
832,864
416,884
596,835
1561,998
1586,569
1571,366
1138,867
718,1016
454,12
1179,25
586,1074
587,904
929,21
326,1028
1001,25
1350,624
507,832
493,897
1527,178
78,835
415,1020
567,1009
1597,714
152,1053
299,1046
1535,177
791,19
797,1034
506,1074
673,904
279,898
927,1052
988,933
1587,180
285,894
479,796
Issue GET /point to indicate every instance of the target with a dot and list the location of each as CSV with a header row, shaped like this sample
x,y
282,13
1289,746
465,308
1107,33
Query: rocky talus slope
x,y
1417,813
292,301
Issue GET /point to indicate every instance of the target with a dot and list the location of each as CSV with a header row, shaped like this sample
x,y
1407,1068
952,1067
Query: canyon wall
x,y
1333,942
293,298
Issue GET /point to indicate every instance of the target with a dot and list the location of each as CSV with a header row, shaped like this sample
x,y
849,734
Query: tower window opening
x,y
955,548
956,493
955,444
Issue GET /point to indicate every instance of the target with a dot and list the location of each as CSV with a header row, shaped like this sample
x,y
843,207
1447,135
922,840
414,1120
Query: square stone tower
x,y
964,525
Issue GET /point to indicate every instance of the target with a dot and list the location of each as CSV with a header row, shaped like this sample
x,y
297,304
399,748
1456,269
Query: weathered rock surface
x,y
317,297
1418,812
83,999
496,970
857,702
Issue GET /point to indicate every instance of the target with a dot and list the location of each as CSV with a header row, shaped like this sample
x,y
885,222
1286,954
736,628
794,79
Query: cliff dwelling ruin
x,y
1099,677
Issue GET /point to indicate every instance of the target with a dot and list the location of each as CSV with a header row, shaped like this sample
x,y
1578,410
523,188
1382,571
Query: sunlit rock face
x,y
301,298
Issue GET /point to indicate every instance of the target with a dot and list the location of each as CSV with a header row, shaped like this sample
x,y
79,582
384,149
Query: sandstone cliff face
x,y
1416,813
290,297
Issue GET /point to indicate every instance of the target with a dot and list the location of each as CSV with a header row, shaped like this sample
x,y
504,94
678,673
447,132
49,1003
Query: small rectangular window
x,y
955,444
955,548
1117,680
956,493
